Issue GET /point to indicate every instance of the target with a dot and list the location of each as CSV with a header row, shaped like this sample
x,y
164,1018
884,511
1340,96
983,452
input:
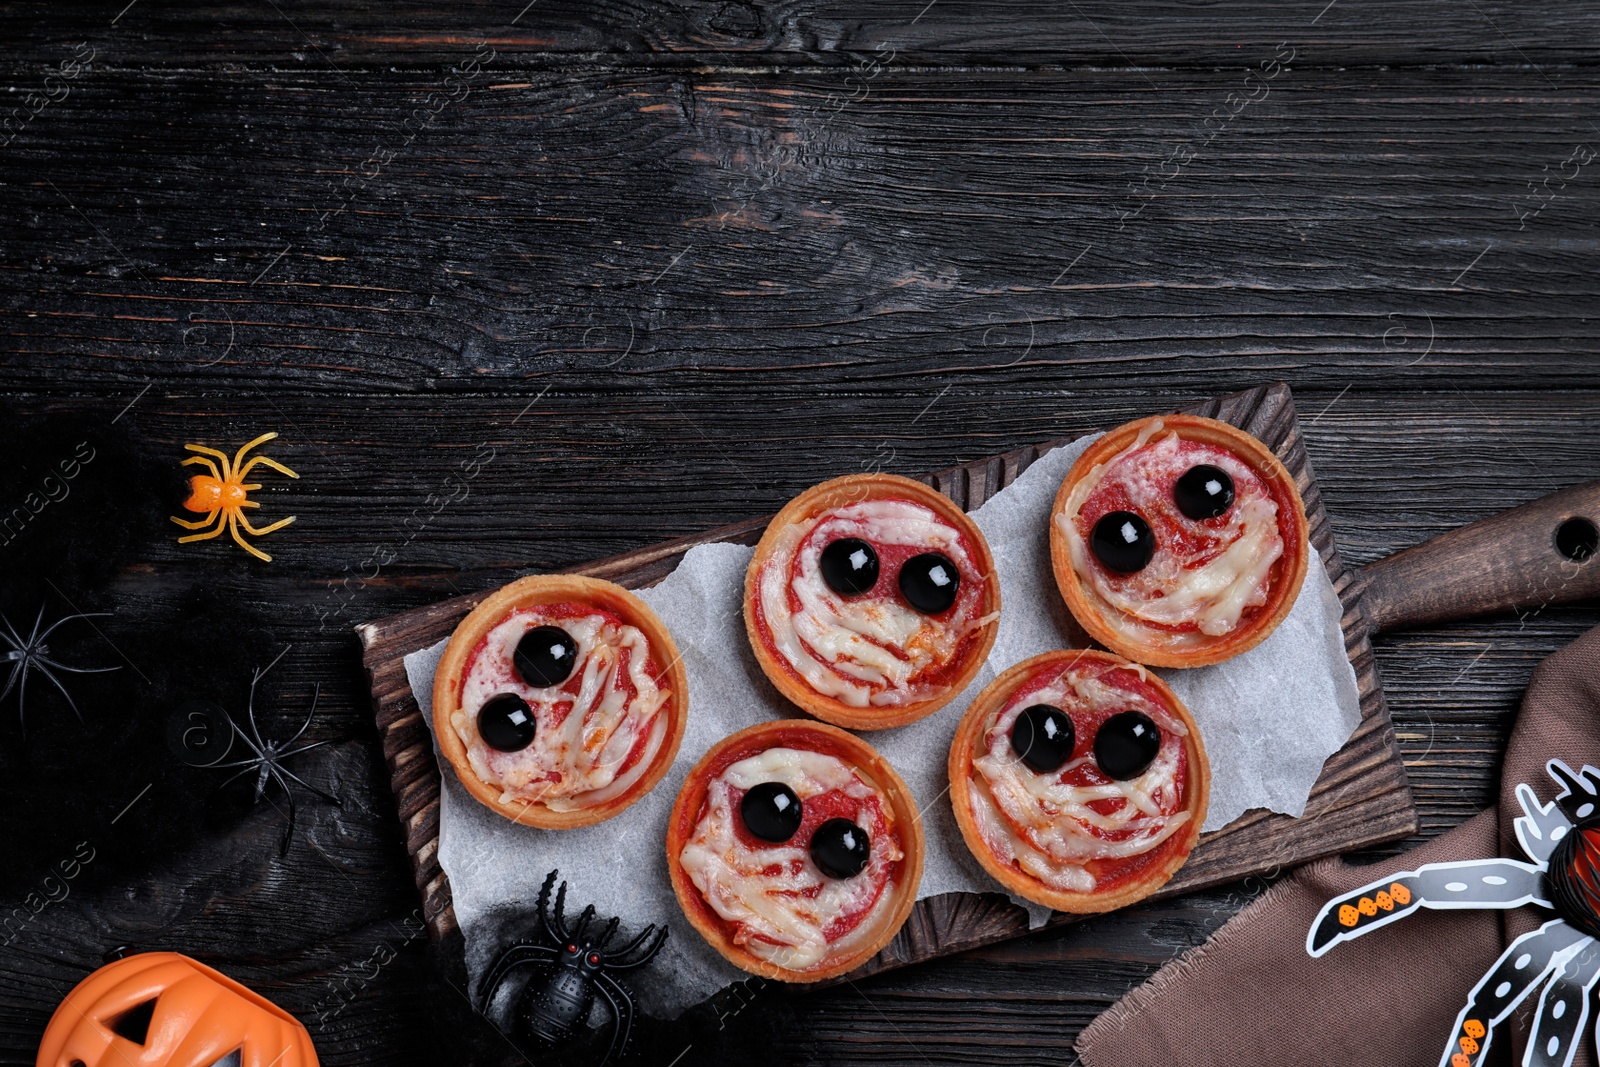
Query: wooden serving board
x,y
1362,799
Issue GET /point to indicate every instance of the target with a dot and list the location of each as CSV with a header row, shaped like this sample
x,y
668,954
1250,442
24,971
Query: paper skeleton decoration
x,y
1560,958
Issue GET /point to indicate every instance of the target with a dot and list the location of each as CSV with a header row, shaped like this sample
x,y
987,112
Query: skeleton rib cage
x,y
1560,958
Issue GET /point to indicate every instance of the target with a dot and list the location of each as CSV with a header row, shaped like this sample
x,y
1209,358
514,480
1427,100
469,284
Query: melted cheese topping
x,y
1193,591
1045,825
865,650
780,903
582,740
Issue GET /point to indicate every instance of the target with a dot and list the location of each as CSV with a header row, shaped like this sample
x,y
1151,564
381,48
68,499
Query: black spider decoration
x,y
267,757
32,654
552,1011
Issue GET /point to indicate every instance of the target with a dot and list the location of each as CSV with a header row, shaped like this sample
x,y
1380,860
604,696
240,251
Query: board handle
x,y
1544,552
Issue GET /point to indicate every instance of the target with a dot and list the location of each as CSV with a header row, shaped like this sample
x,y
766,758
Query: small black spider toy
x,y
264,758
552,1010
32,654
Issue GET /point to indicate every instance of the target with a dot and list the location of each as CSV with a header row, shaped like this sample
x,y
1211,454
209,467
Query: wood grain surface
x,y
641,242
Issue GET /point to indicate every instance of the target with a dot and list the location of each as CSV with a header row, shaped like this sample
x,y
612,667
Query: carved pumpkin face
x,y
162,1009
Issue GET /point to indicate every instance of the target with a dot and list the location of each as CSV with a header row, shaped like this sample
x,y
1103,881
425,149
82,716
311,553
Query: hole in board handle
x,y
1577,539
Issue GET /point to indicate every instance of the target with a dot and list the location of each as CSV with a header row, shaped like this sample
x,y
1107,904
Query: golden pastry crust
x,y
557,589
870,766
1153,646
854,489
969,741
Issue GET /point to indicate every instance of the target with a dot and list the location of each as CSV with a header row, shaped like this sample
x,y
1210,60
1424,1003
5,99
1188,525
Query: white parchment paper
x,y
1269,718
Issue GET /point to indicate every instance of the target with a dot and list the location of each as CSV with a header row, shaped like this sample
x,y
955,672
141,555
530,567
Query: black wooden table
x,y
525,285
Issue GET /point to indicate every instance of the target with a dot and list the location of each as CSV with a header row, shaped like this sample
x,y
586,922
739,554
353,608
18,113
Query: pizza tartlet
x,y
795,850
560,700
1178,541
871,601
1079,781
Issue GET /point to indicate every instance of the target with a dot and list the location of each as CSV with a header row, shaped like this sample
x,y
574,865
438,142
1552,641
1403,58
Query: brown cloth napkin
x,y
1252,995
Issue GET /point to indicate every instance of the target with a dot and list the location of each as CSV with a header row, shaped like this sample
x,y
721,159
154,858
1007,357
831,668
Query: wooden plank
x,y
1325,234
332,37
1362,798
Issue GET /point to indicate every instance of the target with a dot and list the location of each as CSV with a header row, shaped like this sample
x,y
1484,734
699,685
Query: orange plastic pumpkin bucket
x,y
163,1009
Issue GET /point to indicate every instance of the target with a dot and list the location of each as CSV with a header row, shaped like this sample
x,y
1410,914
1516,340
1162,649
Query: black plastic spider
x,y
551,1011
267,757
32,654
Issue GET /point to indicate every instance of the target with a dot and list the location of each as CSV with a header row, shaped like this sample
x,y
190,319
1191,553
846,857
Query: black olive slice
x,y
1203,492
1043,737
840,848
1126,744
1123,541
506,723
771,811
545,656
849,566
929,582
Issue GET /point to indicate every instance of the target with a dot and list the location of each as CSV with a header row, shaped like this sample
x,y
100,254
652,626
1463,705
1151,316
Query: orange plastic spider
x,y
221,495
